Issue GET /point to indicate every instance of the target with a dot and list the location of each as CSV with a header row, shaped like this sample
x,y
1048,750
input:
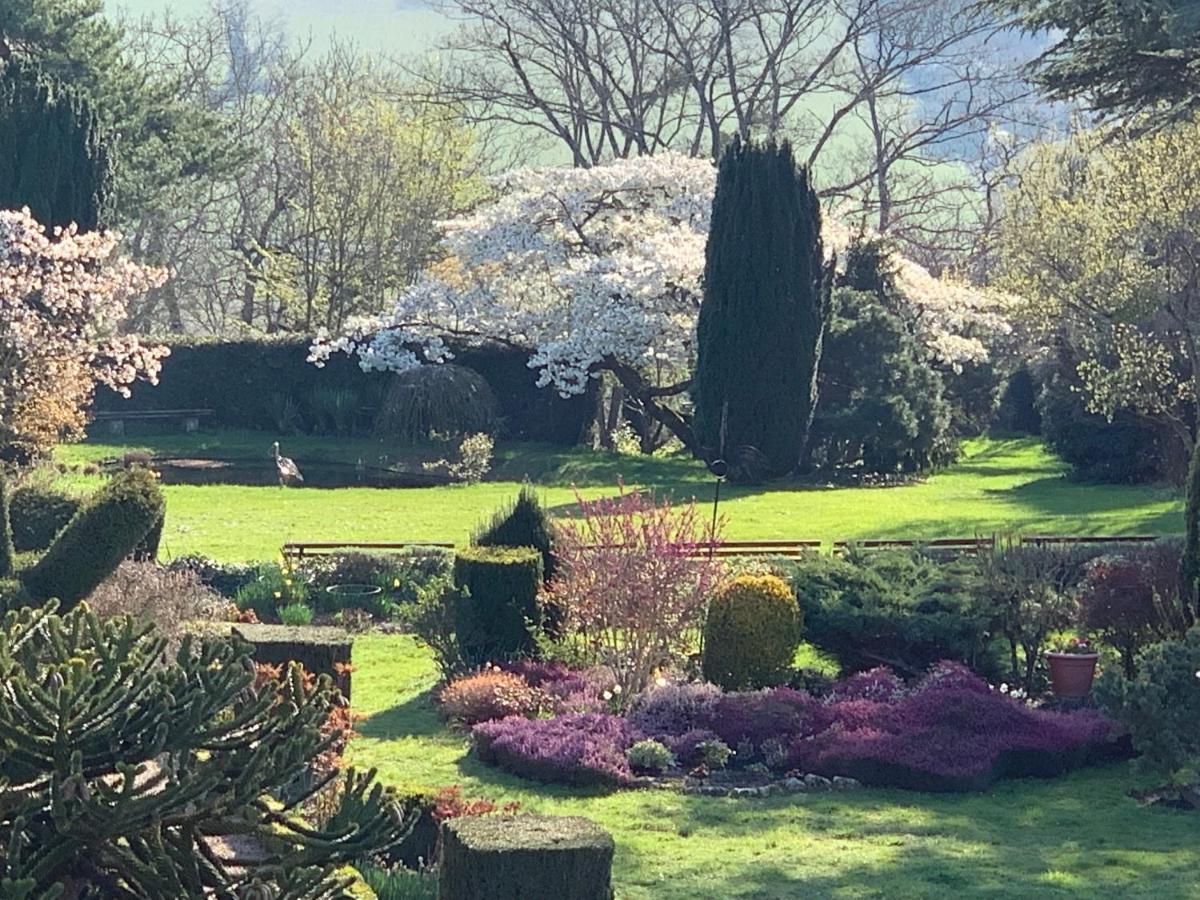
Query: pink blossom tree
x,y
632,583
62,299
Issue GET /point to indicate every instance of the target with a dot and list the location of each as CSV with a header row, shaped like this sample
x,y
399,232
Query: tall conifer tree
x,y
53,157
766,299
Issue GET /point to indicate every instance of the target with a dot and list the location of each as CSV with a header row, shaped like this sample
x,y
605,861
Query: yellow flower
x,y
278,594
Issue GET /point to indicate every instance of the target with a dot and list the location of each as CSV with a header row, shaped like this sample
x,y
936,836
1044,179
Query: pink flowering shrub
x,y
577,748
63,296
629,582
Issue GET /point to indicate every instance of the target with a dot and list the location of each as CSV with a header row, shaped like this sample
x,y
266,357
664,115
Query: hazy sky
x,y
401,26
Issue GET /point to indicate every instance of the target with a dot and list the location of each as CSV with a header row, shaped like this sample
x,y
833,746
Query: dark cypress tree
x,y
766,299
6,542
53,156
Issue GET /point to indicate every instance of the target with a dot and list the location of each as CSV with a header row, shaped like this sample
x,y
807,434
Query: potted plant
x,y
1072,668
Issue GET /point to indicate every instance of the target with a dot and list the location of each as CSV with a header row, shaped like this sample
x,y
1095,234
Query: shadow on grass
x,y
1078,836
415,717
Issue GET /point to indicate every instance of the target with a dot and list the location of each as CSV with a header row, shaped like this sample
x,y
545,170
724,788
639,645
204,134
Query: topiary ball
x,y
751,633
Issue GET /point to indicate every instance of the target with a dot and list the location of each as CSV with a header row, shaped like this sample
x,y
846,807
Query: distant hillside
x,y
395,26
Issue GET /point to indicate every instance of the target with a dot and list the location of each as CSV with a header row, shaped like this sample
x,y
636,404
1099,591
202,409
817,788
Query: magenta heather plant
x,y
630,584
687,746
948,673
576,748
880,683
952,737
672,709
773,714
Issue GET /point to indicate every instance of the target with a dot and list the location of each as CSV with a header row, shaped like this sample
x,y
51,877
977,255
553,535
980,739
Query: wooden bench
x,y
729,549
941,546
188,418
1052,540
296,550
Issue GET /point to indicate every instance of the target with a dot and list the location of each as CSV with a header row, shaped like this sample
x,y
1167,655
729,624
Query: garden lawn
x,y
1076,836
998,485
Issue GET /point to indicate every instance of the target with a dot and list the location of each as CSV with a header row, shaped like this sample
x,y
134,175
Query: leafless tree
x,y
890,101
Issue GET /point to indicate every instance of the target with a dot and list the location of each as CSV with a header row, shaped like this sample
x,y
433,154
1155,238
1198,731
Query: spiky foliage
x,y
766,297
122,773
524,523
53,156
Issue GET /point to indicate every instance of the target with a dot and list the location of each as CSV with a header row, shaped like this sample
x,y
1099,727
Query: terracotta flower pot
x,y
1071,674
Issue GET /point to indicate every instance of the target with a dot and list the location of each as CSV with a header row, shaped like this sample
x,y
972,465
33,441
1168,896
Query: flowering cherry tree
x,y
62,298
599,269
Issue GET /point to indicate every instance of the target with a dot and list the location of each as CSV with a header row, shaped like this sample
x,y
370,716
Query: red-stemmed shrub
x,y
631,583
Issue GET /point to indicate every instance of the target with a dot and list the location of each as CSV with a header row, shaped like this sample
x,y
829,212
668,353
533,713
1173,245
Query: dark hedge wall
x,y
243,383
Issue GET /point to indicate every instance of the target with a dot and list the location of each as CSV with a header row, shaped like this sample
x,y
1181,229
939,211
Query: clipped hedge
x,y
751,633
107,528
38,514
525,856
497,599
523,523
258,375
321,650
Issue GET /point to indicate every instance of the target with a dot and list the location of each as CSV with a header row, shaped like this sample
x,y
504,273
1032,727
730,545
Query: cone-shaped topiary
x,y
751,633
122,771
524,523
498,600
6,541
107,528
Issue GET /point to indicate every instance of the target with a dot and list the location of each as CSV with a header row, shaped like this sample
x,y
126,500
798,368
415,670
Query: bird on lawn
x,y
288,470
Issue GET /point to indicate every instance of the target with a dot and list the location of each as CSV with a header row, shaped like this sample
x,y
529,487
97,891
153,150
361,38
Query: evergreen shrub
x,y
751,633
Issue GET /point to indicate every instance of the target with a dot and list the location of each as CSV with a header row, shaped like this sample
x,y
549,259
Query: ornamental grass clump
x,y
577,748
631,585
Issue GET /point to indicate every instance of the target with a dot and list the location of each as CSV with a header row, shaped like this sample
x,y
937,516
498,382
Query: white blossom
x,y
580,266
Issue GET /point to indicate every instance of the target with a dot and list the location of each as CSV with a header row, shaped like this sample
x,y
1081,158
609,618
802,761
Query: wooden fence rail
x,y
297,550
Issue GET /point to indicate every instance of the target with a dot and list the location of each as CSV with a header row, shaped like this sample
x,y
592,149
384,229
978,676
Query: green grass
x,y
1077,836
998,485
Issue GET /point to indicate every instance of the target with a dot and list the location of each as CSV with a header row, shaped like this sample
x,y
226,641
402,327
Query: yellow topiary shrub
x,y
751,633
